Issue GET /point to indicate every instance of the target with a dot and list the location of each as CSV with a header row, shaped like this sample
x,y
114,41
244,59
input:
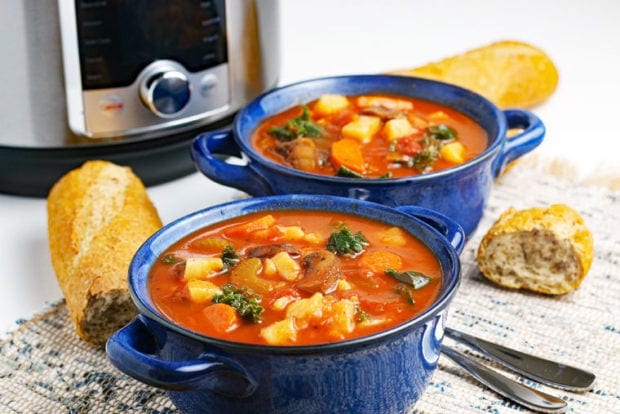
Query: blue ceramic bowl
x,y
381,373
460,192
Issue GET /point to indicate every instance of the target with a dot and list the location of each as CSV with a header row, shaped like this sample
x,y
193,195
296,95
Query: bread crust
x,y
98,216
508,73
542,249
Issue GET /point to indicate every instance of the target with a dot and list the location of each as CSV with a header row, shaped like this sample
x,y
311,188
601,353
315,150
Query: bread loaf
x,y
98,216
547,250
508,73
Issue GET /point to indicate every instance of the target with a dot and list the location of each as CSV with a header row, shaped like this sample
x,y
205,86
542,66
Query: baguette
x,y
546,250
508,73
98,216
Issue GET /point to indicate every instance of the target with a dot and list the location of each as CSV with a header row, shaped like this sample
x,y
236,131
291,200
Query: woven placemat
x,y
45,368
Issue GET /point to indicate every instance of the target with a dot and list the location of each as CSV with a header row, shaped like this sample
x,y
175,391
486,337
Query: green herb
x,y
425,158
360,314
344,242
301,126
230,256
411,277
434,138
404,290
347,172
242,300
171,259
441,132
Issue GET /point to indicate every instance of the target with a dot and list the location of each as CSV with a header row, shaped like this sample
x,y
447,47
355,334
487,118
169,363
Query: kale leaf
x,y
347,172
229,256
344,242
441,132
435,136
411,277
404,290
242,300
301,126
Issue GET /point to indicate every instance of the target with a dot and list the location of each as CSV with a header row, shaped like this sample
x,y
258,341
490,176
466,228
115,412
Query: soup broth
x,y
295,278
370,136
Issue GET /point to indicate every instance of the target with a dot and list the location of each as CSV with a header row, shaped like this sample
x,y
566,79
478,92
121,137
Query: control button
x,y
207,83
166,93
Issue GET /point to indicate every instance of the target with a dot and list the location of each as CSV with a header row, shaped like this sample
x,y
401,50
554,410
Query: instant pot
x,y
129,81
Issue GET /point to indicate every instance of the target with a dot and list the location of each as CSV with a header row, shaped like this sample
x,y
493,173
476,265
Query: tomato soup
x,y
370,136
291,277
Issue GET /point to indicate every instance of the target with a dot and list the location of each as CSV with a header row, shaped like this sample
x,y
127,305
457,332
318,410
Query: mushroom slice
x,y
383,112
300,153
321,272
270,250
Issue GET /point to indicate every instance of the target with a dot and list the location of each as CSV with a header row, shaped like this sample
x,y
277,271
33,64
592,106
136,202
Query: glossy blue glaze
x,y
382,373
460,192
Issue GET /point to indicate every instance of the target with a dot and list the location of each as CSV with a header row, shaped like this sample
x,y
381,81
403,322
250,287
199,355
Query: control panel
x,y
144,65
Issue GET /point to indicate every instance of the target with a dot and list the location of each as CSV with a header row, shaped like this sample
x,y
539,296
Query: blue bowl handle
x,y
449,228
522,143
130,349
203,152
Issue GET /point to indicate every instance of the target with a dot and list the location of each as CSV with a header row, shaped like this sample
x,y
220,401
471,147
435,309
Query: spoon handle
x,y
525,396
538,369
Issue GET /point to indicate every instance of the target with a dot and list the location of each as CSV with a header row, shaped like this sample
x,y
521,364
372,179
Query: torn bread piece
x,y
541,249
98,216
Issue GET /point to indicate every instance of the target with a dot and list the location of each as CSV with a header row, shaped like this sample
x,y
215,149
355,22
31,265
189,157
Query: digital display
x,y
119,38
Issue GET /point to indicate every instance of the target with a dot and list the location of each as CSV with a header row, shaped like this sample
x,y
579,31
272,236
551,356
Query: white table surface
x,y
326,37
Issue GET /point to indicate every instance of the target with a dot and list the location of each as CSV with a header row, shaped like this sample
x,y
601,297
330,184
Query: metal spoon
x,y
519,393
538,369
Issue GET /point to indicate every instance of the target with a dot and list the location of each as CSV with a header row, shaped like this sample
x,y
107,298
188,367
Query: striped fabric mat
x,y
45,368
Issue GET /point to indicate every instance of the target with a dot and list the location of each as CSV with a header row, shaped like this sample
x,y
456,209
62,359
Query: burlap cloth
x,y
45,368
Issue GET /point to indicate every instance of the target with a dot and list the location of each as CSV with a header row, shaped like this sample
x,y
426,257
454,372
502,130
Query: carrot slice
x,y
221,317
261,223
347,152
380,260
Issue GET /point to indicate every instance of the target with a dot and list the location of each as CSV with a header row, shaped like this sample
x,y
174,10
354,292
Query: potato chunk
x,y
385,102
286,266
330,104
201,291
292,232
363,128
202,267
394,236
269,267
453,152
314,238
279,333
304,310
397,128
342,319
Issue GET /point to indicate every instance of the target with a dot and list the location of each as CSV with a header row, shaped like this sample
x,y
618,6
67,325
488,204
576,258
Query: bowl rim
x,y
151,249
409,81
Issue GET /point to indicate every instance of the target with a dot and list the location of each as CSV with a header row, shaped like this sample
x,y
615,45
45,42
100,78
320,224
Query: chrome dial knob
x,y
166,93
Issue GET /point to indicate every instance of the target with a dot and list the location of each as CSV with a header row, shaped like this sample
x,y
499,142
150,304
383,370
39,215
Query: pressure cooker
x,y
129,81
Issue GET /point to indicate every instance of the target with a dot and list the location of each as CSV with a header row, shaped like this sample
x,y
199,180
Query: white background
x,y
325,37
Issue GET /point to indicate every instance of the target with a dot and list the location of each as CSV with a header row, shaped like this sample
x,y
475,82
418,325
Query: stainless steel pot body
x,y
36,139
